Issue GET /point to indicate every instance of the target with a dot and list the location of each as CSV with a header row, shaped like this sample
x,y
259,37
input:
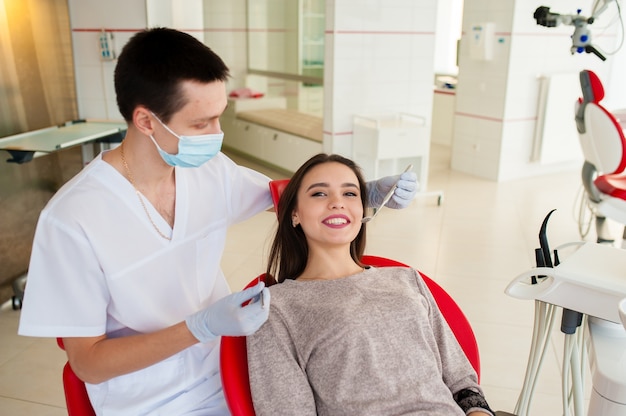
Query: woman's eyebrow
x,y
316,185
326,185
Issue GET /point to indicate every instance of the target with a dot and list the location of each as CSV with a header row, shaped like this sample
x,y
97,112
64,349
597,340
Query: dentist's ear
x,y
143,121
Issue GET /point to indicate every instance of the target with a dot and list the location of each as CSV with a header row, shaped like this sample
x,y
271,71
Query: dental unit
x,y
588,282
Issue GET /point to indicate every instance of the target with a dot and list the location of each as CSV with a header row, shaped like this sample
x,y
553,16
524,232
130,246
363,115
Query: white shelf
x,y
384,145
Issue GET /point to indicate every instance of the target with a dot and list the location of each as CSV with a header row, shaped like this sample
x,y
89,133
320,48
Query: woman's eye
x,y
319,193
351,194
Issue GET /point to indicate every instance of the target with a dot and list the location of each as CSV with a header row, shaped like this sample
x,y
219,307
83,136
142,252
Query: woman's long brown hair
x,y
289,253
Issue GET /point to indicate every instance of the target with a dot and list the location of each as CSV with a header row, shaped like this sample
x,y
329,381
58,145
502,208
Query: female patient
x,y
343,338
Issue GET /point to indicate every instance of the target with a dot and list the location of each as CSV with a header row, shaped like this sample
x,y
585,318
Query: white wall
x,y
225,33
94,78
393,69
379,59
448,32
614,79
497,100
186,14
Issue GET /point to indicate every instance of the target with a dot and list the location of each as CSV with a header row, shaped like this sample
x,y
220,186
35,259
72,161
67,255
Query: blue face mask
x,y
193,151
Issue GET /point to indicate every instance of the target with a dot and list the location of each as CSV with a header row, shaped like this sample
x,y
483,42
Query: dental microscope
x,y
581,38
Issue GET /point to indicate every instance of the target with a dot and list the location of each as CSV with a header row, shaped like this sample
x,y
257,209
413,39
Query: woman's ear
x,y
294,220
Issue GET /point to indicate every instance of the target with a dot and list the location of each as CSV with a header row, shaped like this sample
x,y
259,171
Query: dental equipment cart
x,y
22,149
589,284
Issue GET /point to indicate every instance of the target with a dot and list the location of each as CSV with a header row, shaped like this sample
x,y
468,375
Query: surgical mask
x,y
193,151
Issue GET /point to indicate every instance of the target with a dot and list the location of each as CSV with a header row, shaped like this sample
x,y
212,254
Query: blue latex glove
x,y
228,317
402,196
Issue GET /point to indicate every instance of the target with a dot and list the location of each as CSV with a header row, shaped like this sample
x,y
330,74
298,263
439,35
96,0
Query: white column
x,y
379,59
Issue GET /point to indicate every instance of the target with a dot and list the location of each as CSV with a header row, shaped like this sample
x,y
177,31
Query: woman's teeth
x,y
336,221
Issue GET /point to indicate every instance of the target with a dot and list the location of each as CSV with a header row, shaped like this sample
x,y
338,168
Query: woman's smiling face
x,y
329,207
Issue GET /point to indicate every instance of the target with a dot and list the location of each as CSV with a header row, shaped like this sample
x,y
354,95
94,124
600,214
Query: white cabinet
x,y
277,148
288,151
238,134
385,145
244,137
261,142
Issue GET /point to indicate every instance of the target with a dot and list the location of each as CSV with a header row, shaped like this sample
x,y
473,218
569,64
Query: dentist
x,y
125,264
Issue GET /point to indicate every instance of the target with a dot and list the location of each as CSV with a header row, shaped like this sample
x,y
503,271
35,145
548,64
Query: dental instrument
x,y
590,286
386,198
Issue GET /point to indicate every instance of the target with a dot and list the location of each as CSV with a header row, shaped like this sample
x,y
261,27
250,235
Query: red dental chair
x,y
604,148
233,354
76,398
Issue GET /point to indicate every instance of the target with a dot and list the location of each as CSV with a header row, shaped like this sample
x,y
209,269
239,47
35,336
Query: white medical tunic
x,y
99,267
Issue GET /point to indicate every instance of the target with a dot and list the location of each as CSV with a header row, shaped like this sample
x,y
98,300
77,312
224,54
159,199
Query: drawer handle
x,y
247,127
275,136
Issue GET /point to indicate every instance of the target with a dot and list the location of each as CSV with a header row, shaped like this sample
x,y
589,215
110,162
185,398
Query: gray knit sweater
x,y
373,343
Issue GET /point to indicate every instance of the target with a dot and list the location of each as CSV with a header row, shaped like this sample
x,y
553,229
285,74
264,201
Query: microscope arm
x,y
590,49
581,38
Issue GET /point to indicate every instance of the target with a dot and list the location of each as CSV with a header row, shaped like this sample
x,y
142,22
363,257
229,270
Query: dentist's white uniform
x,y
99,267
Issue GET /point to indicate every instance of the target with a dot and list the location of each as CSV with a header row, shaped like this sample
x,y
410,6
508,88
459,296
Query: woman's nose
x,y
336,202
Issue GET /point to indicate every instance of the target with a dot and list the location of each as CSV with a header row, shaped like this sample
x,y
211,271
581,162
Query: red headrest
x,y
596,86
276,189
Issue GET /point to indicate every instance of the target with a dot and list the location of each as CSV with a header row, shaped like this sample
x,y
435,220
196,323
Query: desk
x,y
25,188
23,146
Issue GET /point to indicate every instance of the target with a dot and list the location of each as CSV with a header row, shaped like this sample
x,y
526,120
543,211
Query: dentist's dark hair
x,y
152,65
289,253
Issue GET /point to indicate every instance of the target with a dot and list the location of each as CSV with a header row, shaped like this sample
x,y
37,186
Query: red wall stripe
x,y
499,120
377,32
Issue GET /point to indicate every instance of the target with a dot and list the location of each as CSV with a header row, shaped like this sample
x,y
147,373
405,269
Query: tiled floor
x,y
481,237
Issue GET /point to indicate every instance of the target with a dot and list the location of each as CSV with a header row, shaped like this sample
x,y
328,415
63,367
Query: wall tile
x,y
86,48
522,97
92,108
90,77
113,14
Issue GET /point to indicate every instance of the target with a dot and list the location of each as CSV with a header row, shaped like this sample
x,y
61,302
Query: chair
x,y
604,149
233,354
276,189
234,358
76,397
